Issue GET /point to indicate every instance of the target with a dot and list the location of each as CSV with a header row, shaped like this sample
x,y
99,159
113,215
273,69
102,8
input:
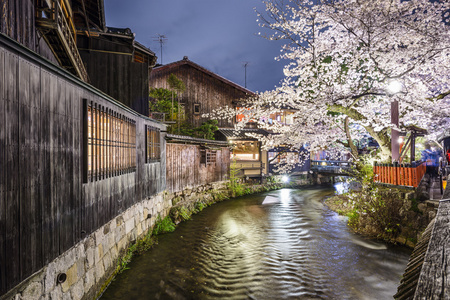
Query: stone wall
x,y
85,269
89,264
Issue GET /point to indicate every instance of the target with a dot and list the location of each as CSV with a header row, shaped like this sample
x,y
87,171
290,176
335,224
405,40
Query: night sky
x,y
216,34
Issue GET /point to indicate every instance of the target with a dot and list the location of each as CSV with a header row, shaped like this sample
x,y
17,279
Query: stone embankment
x,y
85,270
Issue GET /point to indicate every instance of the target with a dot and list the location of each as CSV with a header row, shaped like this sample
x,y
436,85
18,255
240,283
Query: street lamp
x,y
394,87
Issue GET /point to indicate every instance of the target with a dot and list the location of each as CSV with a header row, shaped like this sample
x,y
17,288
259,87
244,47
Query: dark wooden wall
x,y
185,170
44,206
111,69
202,88
17,20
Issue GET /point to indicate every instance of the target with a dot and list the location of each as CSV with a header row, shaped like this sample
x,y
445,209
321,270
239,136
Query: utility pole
x,y
161,39
245,73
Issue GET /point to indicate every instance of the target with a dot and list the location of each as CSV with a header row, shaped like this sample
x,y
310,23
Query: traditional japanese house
x,y
117,65
205,90
72,158
246,153
46,27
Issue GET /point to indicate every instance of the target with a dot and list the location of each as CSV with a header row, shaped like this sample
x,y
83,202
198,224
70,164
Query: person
x,y
431,157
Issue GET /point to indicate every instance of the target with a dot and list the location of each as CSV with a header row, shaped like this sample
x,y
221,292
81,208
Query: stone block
x,y
99,272
56,293
107,260
81,268
114,253
89,243
77,291
67,260
99,236
106,229
89,280
129,225
99,253
90,258
119,221
72,278
50,278
111,241
122,244
33,291
139,230
112,225
119,233
422,207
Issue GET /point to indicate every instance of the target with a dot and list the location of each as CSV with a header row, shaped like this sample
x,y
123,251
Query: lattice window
x,y
111,143
208,156
153,144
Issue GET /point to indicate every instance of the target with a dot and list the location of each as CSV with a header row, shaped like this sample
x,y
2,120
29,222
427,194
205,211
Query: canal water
x,y
282,244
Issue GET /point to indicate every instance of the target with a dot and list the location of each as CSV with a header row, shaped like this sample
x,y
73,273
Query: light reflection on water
x,y
278,245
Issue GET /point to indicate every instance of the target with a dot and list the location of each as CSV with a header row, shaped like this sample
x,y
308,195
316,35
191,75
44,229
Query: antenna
x,y
161,39
245,72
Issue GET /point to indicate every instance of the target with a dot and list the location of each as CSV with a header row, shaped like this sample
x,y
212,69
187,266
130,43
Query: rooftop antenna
x,y
161,39
245,73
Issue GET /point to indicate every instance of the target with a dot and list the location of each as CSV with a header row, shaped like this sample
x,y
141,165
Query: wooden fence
x,y
399,174
187,165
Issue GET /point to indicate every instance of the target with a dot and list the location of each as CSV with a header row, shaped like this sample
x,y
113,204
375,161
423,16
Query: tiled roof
x,y
186,61
191,140
231,133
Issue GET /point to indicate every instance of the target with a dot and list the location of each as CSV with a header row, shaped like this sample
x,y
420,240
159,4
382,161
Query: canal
x,y
282,244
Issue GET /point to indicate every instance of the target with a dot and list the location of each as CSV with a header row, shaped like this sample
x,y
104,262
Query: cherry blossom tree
x,y
342,55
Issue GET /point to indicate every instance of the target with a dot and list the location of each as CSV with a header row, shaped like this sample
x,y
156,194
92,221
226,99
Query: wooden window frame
x,y
208,156
152,144
109,143
196,108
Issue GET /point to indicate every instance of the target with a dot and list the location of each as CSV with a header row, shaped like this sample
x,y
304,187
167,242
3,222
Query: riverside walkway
x,y
428,270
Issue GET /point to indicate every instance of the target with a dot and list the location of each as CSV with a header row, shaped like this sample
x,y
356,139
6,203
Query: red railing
x,y
399,174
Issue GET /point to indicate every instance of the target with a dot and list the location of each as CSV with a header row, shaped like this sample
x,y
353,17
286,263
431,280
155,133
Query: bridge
x,y
332,167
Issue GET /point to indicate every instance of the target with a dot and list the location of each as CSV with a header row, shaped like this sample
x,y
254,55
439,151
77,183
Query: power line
x,y
161,39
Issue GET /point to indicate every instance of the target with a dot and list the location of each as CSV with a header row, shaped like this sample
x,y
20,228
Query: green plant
x,y
207,129
163,225
199,206
235,185
184,214
353,218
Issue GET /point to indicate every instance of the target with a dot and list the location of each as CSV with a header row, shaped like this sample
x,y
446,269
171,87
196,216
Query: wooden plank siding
x,y
111,68
203,87
185,170
3,148
17,20
45,205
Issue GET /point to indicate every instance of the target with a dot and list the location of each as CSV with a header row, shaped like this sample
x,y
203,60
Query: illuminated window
x,y
153,148
110,143
244,150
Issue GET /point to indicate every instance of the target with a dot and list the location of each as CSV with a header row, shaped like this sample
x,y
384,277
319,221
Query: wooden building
x,y
192,162
205,90
73,35
118,65
71,159
246,153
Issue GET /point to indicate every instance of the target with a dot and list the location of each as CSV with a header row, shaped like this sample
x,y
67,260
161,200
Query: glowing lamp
x,y
394,87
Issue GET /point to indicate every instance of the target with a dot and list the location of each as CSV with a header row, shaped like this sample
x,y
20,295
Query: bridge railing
x,y
399,174
337,163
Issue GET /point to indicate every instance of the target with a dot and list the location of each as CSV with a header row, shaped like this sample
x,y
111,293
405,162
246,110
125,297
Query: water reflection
x,y
278,245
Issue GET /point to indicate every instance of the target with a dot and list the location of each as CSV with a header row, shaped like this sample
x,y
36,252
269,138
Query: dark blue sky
x,y
219,35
